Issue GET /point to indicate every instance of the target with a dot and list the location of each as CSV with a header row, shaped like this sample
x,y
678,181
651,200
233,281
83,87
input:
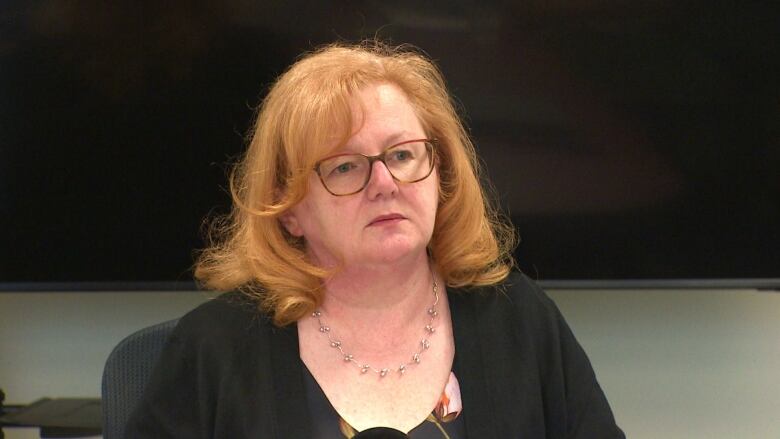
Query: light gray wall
x,y
55,344
684,364
674,364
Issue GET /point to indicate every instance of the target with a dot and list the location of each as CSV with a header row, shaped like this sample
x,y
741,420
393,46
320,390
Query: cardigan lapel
x,y
470,366
291,409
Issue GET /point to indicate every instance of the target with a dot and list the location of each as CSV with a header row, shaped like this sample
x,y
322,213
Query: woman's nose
x,y
381,181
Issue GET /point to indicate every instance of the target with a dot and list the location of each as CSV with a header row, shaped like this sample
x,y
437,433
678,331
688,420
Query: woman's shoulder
x,y
226,315
517,292
525,291
517,304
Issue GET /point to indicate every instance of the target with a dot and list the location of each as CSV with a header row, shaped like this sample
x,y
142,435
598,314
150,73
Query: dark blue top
x,y
325,420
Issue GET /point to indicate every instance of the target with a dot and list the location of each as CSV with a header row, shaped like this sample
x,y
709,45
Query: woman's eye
x,y
401,155
344,168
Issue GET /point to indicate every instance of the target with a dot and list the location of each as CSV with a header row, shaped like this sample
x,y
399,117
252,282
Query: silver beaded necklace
x,y
425,344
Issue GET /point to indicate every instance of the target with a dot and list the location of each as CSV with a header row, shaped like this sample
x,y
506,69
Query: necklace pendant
x,y
365,368
383,372
402,369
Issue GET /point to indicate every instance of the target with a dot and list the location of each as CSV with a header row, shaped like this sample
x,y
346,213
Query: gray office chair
x,y
127,370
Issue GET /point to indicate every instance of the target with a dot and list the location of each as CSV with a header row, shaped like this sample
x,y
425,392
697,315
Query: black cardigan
x,y
227,372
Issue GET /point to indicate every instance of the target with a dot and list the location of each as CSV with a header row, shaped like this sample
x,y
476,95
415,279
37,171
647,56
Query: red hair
x,y
250,250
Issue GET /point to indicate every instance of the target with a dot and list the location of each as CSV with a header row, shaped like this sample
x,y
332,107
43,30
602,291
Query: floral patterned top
x,y
442,423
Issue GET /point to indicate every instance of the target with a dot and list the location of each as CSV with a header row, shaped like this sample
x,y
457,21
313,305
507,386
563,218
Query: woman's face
x,y
385,222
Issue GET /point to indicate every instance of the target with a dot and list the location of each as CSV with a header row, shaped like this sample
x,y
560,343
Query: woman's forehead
x,y
343,132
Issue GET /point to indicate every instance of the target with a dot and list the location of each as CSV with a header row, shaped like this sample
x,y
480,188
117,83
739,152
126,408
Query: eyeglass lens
x,y
346,174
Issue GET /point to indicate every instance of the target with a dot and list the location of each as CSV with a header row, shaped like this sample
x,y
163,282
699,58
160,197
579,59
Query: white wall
x,y
55,344
684,364
674,364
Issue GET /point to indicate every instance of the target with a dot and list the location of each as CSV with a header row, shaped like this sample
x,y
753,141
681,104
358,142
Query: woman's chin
x,y
390,253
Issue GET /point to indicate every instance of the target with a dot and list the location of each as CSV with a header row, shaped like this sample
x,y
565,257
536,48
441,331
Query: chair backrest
x,y
127,370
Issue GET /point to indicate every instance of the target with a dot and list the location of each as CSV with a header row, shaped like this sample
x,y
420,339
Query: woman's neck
x,y
368,287
376,309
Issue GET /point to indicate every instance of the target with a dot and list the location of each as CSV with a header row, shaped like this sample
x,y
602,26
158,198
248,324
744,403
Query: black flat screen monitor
x,y
630,143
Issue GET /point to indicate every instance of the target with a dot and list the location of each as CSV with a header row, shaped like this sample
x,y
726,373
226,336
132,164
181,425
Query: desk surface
x,y
28,433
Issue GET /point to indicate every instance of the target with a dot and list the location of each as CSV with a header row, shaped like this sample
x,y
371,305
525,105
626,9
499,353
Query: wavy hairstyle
x,y
249,250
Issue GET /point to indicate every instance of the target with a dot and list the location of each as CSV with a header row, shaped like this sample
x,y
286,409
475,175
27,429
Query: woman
x,y
373,291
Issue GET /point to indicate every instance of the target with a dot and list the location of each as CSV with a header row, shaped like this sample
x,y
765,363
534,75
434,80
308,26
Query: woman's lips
x,y
386,219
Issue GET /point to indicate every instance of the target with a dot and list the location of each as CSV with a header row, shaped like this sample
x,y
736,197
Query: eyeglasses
x,y
347,174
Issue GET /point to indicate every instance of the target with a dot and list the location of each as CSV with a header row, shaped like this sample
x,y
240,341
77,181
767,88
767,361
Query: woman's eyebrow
x,y
397,137
391,140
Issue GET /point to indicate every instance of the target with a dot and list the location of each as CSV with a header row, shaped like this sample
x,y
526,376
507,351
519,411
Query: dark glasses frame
x,y
430,146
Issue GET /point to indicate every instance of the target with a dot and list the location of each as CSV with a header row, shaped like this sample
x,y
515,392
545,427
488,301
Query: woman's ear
x,y
290,223
288,219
